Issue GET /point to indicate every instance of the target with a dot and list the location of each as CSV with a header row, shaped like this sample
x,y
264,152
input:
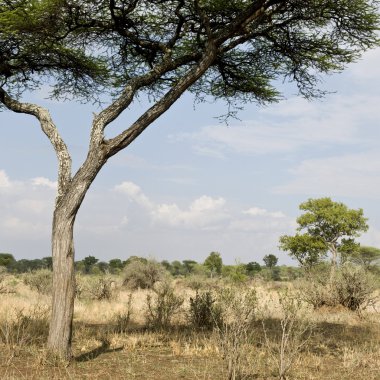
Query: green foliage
x,y
270,261
329,227
24,265
115,266
236,273
162,306
214,263
98,45
203,313
88,263
6,259
308,250
252,268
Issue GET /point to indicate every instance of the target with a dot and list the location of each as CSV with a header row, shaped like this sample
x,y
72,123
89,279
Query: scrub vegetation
x,y
187,321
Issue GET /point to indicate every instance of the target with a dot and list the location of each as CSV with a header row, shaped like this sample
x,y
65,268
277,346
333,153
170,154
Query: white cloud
x,y
354,175
367,69
291,125
134,193
208,213
42,181
257,211
5,183
204,212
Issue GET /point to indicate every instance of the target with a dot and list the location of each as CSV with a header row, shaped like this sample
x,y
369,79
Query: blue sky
x,y
191,185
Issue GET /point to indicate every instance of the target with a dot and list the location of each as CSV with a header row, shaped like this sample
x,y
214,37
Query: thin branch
x,y
50,130
110,113
125,138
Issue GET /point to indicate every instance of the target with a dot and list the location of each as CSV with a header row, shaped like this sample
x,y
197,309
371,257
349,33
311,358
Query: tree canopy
x,y
329,227
149,45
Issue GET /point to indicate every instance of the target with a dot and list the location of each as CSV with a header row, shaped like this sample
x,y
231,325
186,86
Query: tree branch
x,y
121,141
50,130
110,113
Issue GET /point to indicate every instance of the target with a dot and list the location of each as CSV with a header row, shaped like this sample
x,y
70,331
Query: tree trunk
x,y
60,332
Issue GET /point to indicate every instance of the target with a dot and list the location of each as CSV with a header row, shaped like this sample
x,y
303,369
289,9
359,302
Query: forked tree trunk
x,y
60,332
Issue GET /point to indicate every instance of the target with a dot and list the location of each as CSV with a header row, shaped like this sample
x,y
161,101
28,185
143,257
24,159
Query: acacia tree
x,y
328,227
235,50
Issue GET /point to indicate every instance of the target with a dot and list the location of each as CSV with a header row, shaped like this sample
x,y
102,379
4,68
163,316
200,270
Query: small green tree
x,y
270,261
188,266
252,268
329,227
88,263
115,265
214,263
6,259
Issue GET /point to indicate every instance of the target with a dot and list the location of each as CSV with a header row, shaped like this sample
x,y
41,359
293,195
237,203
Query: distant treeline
x,y
212,266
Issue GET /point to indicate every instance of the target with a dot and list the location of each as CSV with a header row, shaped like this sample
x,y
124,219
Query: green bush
x,y
162,305
203,312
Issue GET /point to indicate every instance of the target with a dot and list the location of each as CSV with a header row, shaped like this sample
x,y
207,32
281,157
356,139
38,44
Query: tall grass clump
x,y
21,328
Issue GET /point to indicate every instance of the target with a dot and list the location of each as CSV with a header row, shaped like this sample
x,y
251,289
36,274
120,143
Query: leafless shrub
x,y
295,333
122,319
234,326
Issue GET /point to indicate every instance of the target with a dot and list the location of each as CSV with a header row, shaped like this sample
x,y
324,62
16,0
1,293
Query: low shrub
x,y
162,305
143,275
203,311
351,287
234,327
96,288
123,319
354,288
40,280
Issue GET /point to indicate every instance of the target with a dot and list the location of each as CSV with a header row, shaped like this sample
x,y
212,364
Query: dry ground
x,y
344,345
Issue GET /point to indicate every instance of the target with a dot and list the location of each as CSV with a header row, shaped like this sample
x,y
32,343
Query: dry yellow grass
x,y
344,345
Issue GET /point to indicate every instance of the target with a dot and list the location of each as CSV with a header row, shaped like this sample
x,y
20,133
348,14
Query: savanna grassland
x,y
188,329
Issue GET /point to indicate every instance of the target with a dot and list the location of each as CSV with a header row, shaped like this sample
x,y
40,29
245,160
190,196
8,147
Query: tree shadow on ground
x,y
93,354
